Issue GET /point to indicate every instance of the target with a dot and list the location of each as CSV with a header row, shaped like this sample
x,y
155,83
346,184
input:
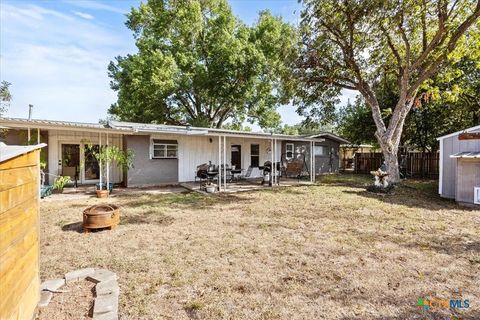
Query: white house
x,y
164,154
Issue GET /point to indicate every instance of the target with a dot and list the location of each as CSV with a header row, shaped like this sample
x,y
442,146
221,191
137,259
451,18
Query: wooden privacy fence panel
x,y
412,164
19,238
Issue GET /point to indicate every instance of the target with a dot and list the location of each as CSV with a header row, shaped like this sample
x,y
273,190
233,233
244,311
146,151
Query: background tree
x,y
351,44
452,102
5,96
198,64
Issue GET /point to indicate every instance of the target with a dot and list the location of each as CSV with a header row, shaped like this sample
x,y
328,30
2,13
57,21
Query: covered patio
x,y
250,161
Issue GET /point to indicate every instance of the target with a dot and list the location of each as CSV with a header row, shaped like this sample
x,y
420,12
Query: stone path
x,y
107,291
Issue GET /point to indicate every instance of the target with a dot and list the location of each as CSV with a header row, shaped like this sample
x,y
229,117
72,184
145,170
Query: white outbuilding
x,y
460,166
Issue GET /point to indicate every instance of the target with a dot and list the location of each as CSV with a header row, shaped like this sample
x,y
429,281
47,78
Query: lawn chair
x,y
247,173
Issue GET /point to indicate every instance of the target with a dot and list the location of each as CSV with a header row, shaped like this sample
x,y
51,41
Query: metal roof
x,y
41,123
466,154
330,136
189,130
458,132
133,127
9,152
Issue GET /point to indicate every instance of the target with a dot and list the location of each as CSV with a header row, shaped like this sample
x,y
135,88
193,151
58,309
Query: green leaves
x,y
5,96
198,64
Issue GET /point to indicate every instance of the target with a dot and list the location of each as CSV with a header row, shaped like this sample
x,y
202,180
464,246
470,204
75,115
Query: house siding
x,y
452,145
58,137
323,164
468,177
147,171
329,163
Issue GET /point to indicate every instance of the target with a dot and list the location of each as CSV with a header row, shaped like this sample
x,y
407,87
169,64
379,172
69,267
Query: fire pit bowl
x,y
101,216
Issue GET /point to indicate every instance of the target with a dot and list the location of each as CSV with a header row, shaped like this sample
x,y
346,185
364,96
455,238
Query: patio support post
x,y
100,162
312,172
219,176
274,167
313,161
108,169
38,135
271,156
224,163
28,134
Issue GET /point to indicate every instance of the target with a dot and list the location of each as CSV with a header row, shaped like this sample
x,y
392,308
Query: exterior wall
x,y
147,171
468,177
322,163
192,151
450,146
58,137
328,163
19,244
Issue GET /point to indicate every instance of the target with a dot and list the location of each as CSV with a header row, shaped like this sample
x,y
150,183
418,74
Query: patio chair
x,y
247,173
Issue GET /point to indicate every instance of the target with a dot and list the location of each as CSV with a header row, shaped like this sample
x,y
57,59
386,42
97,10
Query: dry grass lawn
x,y
330,251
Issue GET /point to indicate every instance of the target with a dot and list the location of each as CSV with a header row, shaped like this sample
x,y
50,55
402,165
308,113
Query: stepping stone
x,y
105,303
78,274
107,287
106,316
101,275
53,284
45,297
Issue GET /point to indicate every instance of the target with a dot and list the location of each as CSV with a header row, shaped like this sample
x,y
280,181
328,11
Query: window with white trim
x,y
289,150
164,149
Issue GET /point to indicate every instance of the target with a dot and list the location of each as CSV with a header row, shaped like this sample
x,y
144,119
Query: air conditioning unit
x,y
476,195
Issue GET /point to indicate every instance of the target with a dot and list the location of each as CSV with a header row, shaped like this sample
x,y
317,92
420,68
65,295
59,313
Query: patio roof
x,y
149,128
467,154
189,130
472,129
56,124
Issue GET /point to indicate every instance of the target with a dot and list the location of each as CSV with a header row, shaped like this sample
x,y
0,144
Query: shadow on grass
x,y
412,198
151,217
184,200
75,227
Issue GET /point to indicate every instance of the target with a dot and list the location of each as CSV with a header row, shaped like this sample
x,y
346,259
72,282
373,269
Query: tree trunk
x,y
391,161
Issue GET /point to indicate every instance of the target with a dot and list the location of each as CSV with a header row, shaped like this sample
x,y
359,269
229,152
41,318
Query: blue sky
x,y
55,53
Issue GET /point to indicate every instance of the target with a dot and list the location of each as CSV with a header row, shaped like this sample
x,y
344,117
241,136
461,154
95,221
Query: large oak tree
x,y
198,64
352,44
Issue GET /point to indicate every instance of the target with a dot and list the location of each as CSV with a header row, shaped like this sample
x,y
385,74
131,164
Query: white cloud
x,y
83,15
88,4
58,62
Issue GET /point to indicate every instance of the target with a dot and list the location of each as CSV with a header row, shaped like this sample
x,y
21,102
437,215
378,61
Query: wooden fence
x,y
19,246
412,164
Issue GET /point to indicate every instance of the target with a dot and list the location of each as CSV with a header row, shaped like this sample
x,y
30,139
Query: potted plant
x,y
60,183
105,156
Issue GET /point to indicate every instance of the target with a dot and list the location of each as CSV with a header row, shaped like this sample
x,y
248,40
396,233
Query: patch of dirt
x,y
72,305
